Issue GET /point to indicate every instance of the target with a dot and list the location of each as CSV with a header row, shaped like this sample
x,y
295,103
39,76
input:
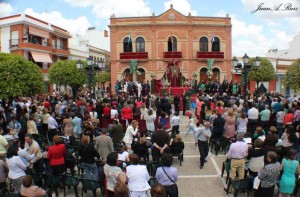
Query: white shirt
x,y
253,113
242,124
25,156
175,120
52,124
130,132
16,167
138,178
113,113
93,115
123,156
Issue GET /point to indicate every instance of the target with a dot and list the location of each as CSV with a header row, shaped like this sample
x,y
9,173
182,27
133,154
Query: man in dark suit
x,y
158,106
184,100
176,103
166,107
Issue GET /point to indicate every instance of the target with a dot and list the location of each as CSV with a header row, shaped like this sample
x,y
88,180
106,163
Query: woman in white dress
x,y
150,119
131,131
144,111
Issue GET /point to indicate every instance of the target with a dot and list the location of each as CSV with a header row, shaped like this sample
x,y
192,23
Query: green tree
x,y
19,77
265,72
102,77
65,72
292,77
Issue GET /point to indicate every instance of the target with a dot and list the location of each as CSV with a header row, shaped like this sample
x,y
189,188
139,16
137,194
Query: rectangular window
x,y
14,38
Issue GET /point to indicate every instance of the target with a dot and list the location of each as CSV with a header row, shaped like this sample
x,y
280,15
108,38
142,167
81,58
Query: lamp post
x,y
92,65
245,68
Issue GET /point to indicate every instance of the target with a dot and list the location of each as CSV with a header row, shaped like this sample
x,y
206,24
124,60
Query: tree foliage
x,y
19,77
265,72
65,72
102,77
292,77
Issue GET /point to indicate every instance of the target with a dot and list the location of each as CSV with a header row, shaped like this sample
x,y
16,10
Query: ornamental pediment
x,y
171,15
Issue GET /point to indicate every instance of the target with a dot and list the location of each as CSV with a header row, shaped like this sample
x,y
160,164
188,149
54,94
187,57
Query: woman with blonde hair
x,y
229,124
31,126
131,131
44,117
150,119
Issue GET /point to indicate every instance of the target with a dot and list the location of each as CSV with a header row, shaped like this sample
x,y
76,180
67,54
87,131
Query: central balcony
x,y
60,49
214,55
173,55
134,55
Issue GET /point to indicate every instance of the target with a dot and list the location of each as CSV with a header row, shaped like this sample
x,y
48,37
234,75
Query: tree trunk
x,y
74,91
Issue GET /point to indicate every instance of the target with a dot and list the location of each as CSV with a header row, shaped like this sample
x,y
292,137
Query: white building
x,y
281,60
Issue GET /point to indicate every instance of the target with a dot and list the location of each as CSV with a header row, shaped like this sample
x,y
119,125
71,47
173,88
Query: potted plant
x,y
152,75
195,74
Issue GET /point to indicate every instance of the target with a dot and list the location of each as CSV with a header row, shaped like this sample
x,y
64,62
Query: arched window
x,y
203,44
127,45
141,75
203,75
140,44
126,75
216,44
172,44
216,74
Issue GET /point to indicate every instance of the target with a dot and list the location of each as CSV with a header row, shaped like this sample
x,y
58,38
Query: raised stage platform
x,y
174,90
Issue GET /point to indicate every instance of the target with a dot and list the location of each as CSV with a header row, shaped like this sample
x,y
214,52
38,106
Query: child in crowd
x,y
191,125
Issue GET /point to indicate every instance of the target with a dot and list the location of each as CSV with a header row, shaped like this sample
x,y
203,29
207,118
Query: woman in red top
x,y
127,112
56,155
106,111
138,103
288,118
90,106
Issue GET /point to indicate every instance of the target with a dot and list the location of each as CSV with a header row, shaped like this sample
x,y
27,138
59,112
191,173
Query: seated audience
x,y
29,190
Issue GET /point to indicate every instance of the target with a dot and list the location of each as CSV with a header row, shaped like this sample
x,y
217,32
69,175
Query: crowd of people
x,y
113,135
107,137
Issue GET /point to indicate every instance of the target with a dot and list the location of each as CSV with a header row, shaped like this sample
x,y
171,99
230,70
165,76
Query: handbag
x,y
176,188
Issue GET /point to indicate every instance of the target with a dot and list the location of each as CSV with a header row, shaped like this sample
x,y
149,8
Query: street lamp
x,y
92,65
245,68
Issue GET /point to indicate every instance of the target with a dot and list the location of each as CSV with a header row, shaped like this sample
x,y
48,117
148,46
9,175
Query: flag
x,y
122,77
129,38
212,37
133,66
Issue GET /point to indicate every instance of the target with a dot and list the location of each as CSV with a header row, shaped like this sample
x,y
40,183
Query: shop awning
x,y
41,57
38,32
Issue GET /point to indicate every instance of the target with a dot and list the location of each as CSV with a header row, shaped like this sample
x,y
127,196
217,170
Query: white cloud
x,y
5,9
183,6
74,26
254,39
105,8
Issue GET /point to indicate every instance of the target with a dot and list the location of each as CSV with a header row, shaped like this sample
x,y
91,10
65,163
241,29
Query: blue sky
x,y
252,33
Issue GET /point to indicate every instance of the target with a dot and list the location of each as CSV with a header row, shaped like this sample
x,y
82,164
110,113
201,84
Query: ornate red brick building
x,y
157,41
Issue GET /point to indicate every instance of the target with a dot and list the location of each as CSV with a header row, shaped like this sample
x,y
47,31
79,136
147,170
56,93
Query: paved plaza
x,y
192,181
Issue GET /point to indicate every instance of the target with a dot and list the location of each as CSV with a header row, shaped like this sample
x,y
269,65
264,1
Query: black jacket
x,y
88,153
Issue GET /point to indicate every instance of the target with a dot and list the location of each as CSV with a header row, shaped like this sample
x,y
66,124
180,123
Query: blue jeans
x,y
191,128
90,168
279,128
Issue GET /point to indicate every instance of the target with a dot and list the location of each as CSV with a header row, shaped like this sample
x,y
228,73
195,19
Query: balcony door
x,y
127,45
172,44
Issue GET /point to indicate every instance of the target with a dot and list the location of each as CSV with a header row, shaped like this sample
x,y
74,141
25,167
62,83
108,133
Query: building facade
x,y
157,41
281,60
34,39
